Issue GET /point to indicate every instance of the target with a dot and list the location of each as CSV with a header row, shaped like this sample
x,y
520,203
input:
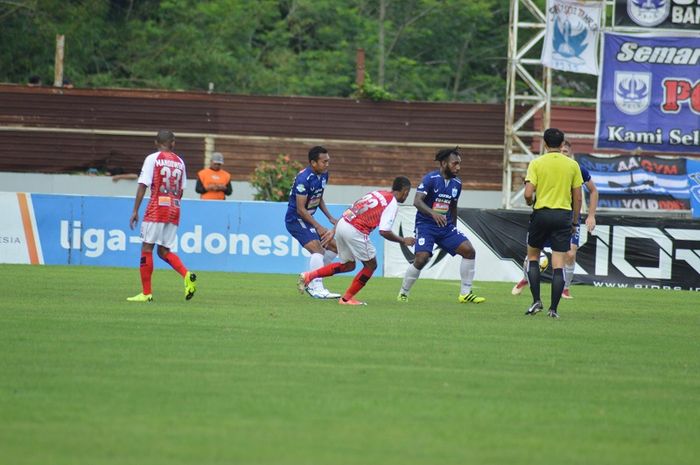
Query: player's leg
x,y
347,260
358,244
453,241
146,272
570,264
308,237
167,241
520,285
561,240
537,234
358,282
467,268
423,251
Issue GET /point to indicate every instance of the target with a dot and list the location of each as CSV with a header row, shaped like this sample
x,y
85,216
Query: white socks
x,y
409,279
315,262
329,256
466,271
569,274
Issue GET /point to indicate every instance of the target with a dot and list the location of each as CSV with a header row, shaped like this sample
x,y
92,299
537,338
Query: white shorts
x,y
164,234
352,244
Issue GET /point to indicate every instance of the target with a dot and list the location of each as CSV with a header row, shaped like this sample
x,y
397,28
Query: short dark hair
x,y
165,136
553,137
315,152
400,183
444,154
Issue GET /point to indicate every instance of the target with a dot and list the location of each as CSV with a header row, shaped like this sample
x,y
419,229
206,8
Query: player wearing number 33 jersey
x,y
164,173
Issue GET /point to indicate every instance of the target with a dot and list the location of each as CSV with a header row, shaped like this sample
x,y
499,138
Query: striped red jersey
x,y
164,173
378,208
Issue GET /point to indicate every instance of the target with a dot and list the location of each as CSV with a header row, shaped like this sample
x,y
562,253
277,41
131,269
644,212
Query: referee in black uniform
x,y
557,181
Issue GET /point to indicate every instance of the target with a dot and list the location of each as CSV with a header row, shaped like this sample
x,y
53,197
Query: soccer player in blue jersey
x,y
436,223
305,197
570,263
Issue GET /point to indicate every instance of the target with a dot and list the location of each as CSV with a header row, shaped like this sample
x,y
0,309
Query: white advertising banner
x,y
571,37
489,265
18,230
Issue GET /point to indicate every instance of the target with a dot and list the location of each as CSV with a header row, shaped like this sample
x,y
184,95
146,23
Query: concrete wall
x,y
106,186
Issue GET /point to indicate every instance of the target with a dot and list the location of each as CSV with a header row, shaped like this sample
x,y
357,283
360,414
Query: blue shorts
x,y
302,231
448,238
575,238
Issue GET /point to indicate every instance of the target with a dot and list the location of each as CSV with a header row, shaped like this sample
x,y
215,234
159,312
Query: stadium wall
x,y
53,130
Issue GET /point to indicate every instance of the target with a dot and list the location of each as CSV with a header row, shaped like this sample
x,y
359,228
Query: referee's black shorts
x,y
550,224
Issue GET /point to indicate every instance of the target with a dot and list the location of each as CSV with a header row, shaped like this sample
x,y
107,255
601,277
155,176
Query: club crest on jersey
x,y
323,183
300,188
454,192
632,91
648,13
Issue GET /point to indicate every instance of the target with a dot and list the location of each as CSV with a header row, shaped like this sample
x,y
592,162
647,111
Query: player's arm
x,y
391,236
453,211
140,192
576,204
530,190
419,203
324,209
229,188
305,215
590,219
199,187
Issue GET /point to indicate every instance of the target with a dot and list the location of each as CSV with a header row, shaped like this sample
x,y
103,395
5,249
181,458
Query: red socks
x,y
331,269
358,283
146,270
174,261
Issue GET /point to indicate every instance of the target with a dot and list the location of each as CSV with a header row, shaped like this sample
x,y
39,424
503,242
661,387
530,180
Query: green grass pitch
x,y
251,372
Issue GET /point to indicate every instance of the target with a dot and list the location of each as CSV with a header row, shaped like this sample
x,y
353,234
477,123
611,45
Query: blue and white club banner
x,y
693,167
649,94
571,37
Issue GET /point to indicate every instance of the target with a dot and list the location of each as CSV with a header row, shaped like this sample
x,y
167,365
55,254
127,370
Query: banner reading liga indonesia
x,y
571,38
649,94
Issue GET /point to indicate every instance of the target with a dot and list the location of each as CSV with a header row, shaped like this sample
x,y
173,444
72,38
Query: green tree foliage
x,y
272,180
438,50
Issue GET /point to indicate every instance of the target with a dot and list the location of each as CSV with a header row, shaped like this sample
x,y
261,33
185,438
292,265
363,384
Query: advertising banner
x,y
693,168
658,14
571,37
491,264
639,182
649,94
622,252
212,236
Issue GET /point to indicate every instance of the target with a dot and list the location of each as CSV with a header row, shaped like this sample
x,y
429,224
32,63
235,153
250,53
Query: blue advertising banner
x,y
693,167
649,94
212,236
639,182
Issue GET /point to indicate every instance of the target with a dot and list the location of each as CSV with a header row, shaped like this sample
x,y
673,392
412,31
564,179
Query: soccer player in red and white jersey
x,y
164,172
376,209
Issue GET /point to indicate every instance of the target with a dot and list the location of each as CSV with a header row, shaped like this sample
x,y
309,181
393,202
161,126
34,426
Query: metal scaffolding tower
x,y
528,85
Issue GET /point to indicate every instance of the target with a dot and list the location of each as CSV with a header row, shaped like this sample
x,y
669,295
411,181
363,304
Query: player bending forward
x,y
376,209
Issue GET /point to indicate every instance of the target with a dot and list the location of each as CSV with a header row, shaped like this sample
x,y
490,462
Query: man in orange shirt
x,y
214,183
